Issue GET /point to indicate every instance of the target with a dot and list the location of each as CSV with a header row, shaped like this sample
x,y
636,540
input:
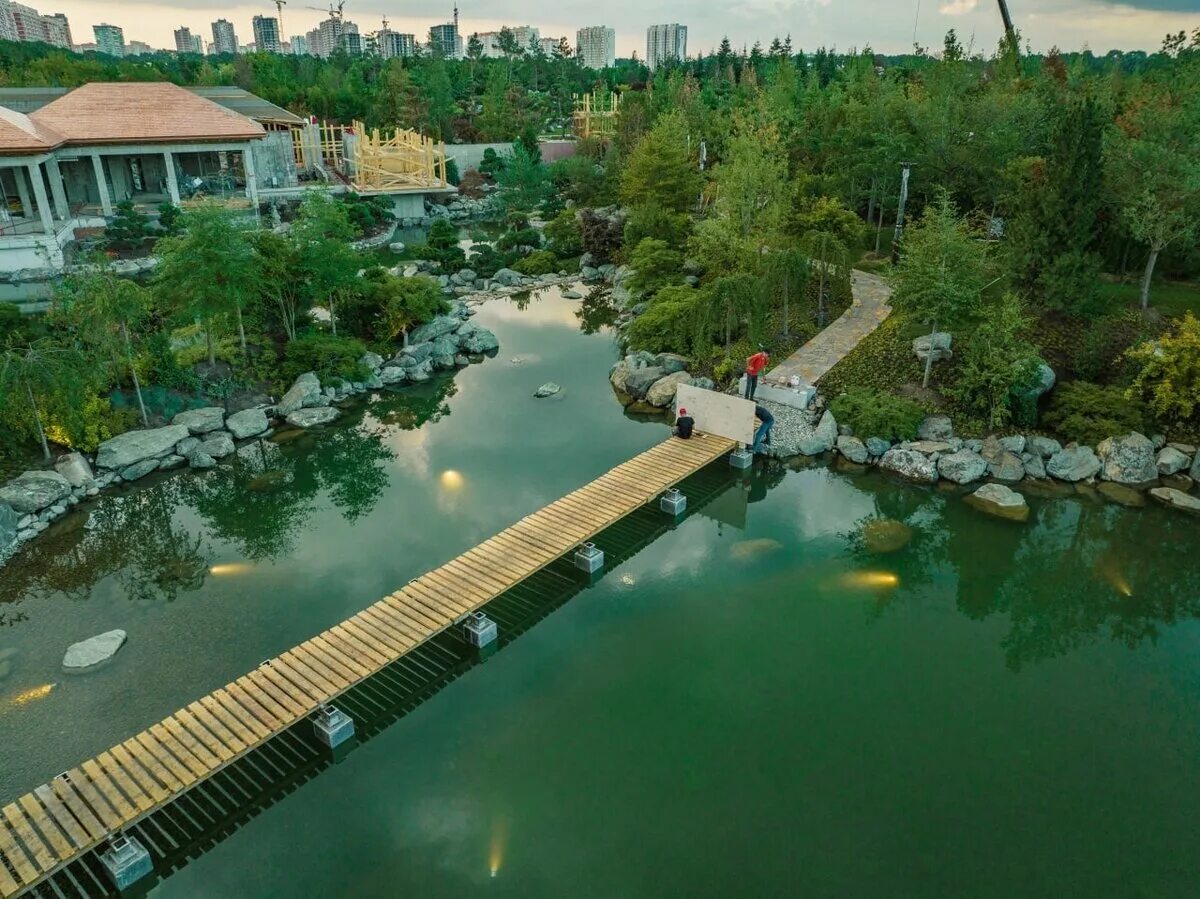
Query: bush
x,y
367,214
1169,373
485,261
90,424
655,265
491,163
452,174
385,306
669,324
170,218
600,236
539,262
519,237
657,223
564,235
129,228
328,356
875,413
1087,413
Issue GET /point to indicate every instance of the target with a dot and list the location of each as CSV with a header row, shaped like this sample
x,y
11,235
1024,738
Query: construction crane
x,y
1008,22
335,14
279,5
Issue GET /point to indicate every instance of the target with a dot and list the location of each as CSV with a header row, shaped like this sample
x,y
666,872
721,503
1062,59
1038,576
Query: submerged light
x,y
870,579
496,847
451,479
230,568
31,695
1108,570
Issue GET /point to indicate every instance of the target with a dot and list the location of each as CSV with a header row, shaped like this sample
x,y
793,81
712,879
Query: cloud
x,y
957,7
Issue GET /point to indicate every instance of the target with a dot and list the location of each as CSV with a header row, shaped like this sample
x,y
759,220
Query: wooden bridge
x,y
81,810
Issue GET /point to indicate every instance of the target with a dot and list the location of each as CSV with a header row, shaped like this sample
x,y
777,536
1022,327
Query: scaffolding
x,y
371,160
596,115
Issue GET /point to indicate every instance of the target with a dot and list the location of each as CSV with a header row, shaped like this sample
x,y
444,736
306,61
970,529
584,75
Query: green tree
x,y
827,215
998,363
107,310
655,264
36,371
942,271
830,259
524,183
786,271
393,306
209,270
1168,376
278,263
660,170
328,265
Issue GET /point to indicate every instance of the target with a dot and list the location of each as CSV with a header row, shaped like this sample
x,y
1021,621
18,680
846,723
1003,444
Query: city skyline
x,y
889,28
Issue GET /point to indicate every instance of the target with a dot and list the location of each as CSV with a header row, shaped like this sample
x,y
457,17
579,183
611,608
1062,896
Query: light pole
x,y
899,233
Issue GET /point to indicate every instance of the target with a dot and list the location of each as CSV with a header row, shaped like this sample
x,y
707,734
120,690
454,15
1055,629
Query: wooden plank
x,y
92,798
329,668
158,759
203,745
62,817
8,886
268,720
17,857
139,773
443,589
367,649
282,701
274,684
51,833
298,662
228,743
84,815
109,790
486,584
175,743
233,732
137,798
34,845
424,617
365,628
345,657
239,719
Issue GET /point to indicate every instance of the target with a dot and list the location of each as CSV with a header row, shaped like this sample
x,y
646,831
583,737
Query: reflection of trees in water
x,y
596,311
132,534
1086,573
413,407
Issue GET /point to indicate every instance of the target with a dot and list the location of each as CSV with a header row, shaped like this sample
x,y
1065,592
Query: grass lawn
x,y
1170,298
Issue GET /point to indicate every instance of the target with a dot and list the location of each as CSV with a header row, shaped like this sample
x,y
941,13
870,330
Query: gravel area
x,y
791,426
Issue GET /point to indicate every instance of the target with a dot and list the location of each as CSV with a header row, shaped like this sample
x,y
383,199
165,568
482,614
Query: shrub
x,y
169,218
1169,372
452,173
875,413
658,223
577,178
491,163
384,307
655,265
367,214
600,236
485,261
669,324
539,262
129,228
517,237
326,355
1087,413
564,235
90,424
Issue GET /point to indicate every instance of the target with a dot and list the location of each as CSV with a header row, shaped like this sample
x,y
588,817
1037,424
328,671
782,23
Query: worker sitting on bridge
x,y
762,437
754,367
684,424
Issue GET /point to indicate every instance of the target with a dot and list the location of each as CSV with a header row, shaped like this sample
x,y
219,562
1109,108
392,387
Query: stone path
x,y
828,348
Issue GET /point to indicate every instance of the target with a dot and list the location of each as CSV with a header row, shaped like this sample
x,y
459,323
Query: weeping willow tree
x,y
786,274
734,304
830,261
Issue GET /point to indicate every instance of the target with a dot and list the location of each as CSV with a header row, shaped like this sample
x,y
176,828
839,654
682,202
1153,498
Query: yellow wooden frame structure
x,y
596,115
378,160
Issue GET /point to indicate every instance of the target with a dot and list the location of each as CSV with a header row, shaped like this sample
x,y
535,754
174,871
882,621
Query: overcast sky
x,y
886,25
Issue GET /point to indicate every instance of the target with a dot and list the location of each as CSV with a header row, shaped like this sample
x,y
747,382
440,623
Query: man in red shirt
x,y
754,367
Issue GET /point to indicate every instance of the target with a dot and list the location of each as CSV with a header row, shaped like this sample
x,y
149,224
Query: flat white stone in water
x,y
94,650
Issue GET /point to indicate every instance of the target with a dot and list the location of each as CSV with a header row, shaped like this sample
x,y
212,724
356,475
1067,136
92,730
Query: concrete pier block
x,y
741,458
673,502
126,860
589,558
332,726
479,630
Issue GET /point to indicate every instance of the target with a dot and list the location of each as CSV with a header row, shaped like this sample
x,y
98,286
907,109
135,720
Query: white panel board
x,y
718,413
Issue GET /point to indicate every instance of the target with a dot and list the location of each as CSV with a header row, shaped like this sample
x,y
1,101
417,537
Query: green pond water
x,y
752,704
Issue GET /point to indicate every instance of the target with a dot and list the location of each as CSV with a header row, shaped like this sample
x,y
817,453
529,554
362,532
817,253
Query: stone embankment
x,y
199,438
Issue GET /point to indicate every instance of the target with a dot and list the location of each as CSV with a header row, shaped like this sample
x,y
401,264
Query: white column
x,y
39,194
54,175
172,181
102,185
251,176
23,193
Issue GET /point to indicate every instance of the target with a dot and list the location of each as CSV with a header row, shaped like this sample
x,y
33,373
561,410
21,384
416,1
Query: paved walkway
x,y
830,346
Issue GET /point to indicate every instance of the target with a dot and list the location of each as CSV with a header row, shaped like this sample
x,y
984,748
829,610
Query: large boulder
x,y
507,277
1035,466
936,427
435,328
480,341
75,468
8,529
33,491
1074,464
1043,382
1003,464
671,362
139,470
940,341
640,380
305,391
218,446
201,421
200,460
962,467
308,418
1194,473
662,392
823,437
909,464
392,374
1001,501
247,423
1171,461
134,446
853,449
1176,499
371,361
546,390
94,650
877,446
1043,446
413,355
1128,460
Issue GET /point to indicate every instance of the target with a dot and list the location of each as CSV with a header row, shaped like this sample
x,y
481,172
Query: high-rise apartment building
x,y
522,36
186,42
392,44
224,38
266,34
58,30
19,22
333,34
445,40
299,45
596,46
665,42
110,39
138,48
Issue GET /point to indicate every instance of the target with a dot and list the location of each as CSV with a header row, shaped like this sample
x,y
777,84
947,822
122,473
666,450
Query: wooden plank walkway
x,y
76,812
